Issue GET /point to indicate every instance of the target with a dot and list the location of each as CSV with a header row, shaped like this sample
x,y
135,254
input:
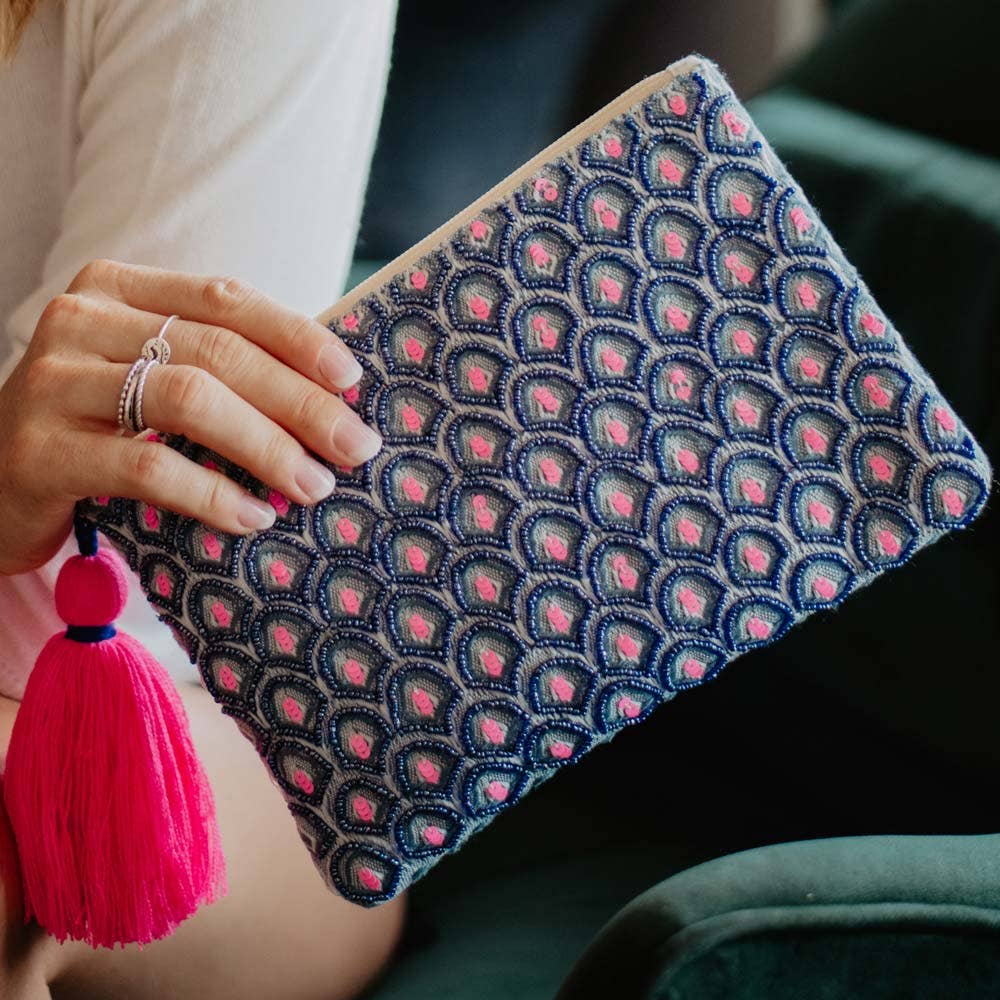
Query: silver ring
x,y
155,351
157,348
125,399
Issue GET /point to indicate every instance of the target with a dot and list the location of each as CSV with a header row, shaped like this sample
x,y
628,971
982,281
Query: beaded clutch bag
x,y
640,415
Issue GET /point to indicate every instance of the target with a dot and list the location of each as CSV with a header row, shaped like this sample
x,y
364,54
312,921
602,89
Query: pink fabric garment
x,y
27,619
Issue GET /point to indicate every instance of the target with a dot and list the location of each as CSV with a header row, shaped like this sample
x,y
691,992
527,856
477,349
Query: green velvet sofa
x,y
820,821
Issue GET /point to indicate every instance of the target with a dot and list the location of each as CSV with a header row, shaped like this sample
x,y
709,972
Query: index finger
x,y
294,338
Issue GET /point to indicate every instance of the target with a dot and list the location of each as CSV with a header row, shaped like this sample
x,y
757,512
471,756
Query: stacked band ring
x,y
156,351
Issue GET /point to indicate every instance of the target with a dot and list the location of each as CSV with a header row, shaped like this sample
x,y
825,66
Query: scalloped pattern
x,y
640,416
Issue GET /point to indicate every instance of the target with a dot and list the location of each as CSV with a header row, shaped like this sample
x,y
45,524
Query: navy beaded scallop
x,y
639,416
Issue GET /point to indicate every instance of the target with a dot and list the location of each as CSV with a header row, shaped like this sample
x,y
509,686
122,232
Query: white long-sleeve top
x,y
212,136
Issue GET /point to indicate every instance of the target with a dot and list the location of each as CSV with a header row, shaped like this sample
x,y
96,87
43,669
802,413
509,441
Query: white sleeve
x,y
220,137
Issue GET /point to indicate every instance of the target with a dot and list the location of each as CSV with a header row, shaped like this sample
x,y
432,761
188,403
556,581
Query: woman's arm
x,y
222,137
227,137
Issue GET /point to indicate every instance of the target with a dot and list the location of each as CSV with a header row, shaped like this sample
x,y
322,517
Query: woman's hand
x,y
247,378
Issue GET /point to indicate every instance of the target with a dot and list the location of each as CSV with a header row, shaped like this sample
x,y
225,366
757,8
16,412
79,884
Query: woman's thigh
x,y
279,932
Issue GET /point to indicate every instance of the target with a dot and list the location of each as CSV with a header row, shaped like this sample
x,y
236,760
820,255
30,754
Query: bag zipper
x,y
511,182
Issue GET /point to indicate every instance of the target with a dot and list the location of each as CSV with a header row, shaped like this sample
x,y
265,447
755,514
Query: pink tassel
x,y
112,811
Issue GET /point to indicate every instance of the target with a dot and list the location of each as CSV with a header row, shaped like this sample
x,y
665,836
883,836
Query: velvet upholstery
x,y
859,917
879,719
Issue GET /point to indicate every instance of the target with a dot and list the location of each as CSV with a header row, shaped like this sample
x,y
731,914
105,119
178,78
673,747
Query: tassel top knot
x,y
91,589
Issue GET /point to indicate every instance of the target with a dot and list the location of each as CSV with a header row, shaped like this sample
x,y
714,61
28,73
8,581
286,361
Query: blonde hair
x,y
14,17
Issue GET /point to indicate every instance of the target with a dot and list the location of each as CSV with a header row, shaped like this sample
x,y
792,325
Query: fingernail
x,y
254,514
356,441
315,480
338,366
